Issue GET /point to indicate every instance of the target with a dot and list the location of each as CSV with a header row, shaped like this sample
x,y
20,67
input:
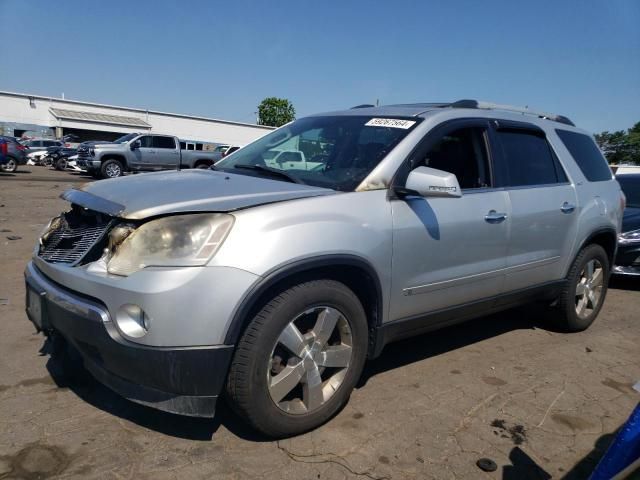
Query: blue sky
x,y
220,59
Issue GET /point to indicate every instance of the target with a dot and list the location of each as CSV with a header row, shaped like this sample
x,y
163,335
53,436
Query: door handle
x,y
495,217
567,207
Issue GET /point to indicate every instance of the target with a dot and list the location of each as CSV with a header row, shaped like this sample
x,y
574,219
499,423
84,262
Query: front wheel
x,y
299,359
111,169
583,295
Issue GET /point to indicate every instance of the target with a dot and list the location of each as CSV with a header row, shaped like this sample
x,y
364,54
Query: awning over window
x,y
79,115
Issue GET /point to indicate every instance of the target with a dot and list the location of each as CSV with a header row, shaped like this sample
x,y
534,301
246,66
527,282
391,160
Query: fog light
x,y
132,320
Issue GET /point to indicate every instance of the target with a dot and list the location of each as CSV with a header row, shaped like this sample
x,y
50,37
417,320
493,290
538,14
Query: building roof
x,y
64,114
132,109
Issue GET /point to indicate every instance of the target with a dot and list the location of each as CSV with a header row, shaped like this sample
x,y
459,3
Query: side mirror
x,y
135,145
429,182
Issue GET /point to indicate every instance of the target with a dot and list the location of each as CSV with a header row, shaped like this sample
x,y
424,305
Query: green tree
x,y
621,147
275,112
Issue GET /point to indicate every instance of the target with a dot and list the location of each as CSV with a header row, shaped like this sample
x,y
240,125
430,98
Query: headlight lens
x,y
181,240
629,237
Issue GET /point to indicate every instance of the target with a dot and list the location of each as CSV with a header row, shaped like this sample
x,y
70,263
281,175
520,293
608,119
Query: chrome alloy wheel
x,y
310,360
113,170
589,288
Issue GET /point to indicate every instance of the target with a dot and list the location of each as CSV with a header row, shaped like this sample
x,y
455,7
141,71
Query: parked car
x,y
57,156
137,152
219,151
14,156
36,158
4,149
628,256
276,284
41,144
230,150
72,164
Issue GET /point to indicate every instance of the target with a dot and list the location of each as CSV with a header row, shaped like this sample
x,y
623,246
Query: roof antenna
x,y
377,102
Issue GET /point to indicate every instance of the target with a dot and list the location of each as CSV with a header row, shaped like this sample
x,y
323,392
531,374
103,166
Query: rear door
x,y
544,208
450,251
166,151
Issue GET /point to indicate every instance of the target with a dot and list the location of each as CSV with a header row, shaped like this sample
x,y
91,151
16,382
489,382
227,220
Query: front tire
x,y
299,359
111,169
583,295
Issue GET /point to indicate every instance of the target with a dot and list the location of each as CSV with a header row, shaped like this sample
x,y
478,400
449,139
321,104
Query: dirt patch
x,y
495,381
622,387
36,461
571,421
517,433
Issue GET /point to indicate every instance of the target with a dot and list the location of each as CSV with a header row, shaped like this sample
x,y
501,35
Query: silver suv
x,y
274,281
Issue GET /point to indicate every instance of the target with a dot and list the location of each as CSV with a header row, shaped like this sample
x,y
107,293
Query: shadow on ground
x,y
436,343
62,370
67,375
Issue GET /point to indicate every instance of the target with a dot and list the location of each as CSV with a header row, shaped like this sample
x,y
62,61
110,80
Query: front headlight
x,y
629,237
178,241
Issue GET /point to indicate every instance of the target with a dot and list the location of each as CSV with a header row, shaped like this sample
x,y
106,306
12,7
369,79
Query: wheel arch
x,y
202,161
606,238
115,156
355,272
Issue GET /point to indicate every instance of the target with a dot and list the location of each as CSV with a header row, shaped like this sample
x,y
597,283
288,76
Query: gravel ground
x,y
541,404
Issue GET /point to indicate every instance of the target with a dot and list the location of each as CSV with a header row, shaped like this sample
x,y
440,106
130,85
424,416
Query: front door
x,y
145,156
450,251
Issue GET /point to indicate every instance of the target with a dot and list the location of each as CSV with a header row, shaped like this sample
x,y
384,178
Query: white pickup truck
x,y
140,152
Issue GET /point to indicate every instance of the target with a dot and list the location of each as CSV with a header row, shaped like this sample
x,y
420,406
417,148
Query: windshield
x,y
126,138
331,152
631,189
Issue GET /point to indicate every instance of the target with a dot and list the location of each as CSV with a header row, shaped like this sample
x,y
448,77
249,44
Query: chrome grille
x,y
73,235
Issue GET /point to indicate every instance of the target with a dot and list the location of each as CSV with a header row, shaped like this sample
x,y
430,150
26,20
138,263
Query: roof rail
x,y
364,105
510,108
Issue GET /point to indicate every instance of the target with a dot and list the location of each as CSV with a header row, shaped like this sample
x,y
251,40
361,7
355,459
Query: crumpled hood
x,y
152,194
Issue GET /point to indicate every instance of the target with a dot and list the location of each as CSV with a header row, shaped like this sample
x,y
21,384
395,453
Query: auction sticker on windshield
x,y
390,122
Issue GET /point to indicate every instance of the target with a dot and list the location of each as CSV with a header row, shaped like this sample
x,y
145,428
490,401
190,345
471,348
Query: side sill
x,y
412,326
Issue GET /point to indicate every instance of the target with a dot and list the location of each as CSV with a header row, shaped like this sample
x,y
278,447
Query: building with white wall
x,y
55,117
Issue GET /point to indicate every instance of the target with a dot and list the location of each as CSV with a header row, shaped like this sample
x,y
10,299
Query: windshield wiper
x,y
273,171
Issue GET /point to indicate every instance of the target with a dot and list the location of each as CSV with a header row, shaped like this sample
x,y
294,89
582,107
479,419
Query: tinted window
x,y
146,141
462,152
183,146
191,146
164,142
587,155
529,158
631,187
198,146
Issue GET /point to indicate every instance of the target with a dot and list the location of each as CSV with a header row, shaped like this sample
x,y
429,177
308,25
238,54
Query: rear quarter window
x,y
587,155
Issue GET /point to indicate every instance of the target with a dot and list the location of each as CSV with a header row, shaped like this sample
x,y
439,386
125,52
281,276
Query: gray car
x,y
275,281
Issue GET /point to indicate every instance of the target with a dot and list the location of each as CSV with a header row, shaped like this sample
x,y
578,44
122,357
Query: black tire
x,y
11,166
202,166
61,164
567,317
111,169
247,382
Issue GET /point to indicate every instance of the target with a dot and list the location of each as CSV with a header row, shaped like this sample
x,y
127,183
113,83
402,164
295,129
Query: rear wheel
x,y
11,165
202,166
585,291
299,359
61,164
111,169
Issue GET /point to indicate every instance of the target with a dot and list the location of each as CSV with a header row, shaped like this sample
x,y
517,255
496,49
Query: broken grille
x,y
72,236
